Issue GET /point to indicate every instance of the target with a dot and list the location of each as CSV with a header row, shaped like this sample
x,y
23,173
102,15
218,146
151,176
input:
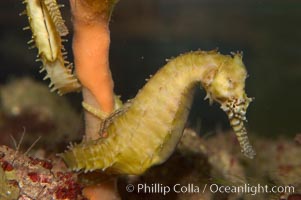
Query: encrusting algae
x,y
141,135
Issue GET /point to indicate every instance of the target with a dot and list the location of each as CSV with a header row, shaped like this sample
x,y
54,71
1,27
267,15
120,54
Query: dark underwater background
x,y
145,33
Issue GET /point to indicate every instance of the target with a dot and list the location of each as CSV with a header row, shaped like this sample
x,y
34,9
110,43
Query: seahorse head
x,y
227,81
227,87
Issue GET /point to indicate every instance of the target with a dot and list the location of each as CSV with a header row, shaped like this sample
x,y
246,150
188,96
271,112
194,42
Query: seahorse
x,y
47,27
146,130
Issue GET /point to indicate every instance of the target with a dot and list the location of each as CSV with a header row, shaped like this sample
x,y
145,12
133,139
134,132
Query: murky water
x,y
145,33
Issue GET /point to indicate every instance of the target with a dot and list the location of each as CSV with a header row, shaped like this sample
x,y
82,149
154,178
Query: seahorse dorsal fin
x,y
56,15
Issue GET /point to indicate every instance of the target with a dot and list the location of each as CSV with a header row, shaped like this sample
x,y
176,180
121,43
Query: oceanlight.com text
x,y
159,188
251,189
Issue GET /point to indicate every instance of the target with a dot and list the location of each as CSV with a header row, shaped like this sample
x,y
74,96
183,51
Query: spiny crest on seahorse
x,y
145,131
47,27
56,16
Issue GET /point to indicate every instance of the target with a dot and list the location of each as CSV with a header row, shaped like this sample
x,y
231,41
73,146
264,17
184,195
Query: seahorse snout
x,y
236,111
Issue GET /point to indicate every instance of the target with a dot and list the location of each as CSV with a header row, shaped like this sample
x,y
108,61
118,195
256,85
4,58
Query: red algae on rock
x,y
31,178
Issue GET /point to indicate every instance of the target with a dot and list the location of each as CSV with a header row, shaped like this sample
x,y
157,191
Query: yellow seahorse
x,y
145,131
47,27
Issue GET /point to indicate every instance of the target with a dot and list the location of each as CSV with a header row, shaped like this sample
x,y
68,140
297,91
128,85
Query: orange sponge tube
x,y
91,43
